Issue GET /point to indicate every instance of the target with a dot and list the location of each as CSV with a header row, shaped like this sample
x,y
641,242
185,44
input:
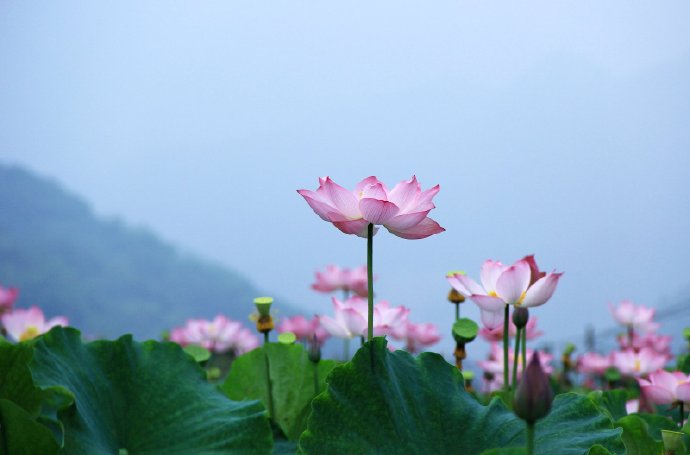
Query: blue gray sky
x,y
553,128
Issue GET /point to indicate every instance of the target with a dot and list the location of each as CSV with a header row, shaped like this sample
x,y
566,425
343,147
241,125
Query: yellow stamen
x,y
637,366
30,333
492,294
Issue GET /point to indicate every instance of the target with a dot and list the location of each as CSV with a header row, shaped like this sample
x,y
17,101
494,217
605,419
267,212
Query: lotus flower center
x,y
492,294
29,333
637,367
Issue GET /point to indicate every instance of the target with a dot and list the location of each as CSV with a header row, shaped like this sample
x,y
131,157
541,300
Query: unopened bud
x,y
314,351
520,317
534,395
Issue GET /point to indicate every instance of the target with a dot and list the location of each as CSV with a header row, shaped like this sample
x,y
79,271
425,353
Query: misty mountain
x,y
106,277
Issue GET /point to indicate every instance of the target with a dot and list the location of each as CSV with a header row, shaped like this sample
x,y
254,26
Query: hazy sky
x,y
554,128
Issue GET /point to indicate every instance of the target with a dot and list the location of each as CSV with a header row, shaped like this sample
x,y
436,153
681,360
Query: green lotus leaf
x,y
387,403
637,437
465,330
16,384
142,398
657,423
198,353
20,434
292,383
611,401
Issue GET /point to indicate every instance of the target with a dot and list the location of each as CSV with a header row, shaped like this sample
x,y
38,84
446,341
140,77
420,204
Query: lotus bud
x,y
314,351
534,395
520,317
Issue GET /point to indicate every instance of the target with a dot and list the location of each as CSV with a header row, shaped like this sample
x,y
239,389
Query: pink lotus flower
x,y
634,316
632,363
22,325
220,335
389,320
494,365
337,279
419,336
664,387
632,406
593,363
494,331
8,297
350,319
659,343
307,330
402,210
503,285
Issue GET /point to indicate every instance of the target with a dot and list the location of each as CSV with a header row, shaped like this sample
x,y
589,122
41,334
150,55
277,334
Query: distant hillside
x,y
107,278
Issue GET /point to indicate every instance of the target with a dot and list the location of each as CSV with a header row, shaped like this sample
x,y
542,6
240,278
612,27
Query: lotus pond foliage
x,y
221,386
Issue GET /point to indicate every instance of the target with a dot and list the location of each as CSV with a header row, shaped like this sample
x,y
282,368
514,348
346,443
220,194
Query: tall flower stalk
x,y
402,210
370,281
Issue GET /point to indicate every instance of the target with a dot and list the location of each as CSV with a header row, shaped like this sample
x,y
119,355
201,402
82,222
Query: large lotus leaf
x,y
637,437
142,398
20,434
292,383
383,402
656,423
16,384
611,401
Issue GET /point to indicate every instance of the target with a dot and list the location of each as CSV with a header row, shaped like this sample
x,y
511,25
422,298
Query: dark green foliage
x,y
20,434
107,278
292,383
384,402
146,398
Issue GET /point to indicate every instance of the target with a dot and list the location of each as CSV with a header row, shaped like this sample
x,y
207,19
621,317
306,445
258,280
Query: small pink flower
x,y
495,333
419,336
8,297
632,406
219,335
389,320
640,363
664,387
402,210
307,330
350,319
659,343
503,285
593,363
336,279
634,316
22,325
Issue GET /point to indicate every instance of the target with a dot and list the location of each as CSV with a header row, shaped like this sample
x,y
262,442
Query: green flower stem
x,y
346,349
316,377
506,377
682,413
530,438
370,281
515,357
265,337
271,409
524,347
457,311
